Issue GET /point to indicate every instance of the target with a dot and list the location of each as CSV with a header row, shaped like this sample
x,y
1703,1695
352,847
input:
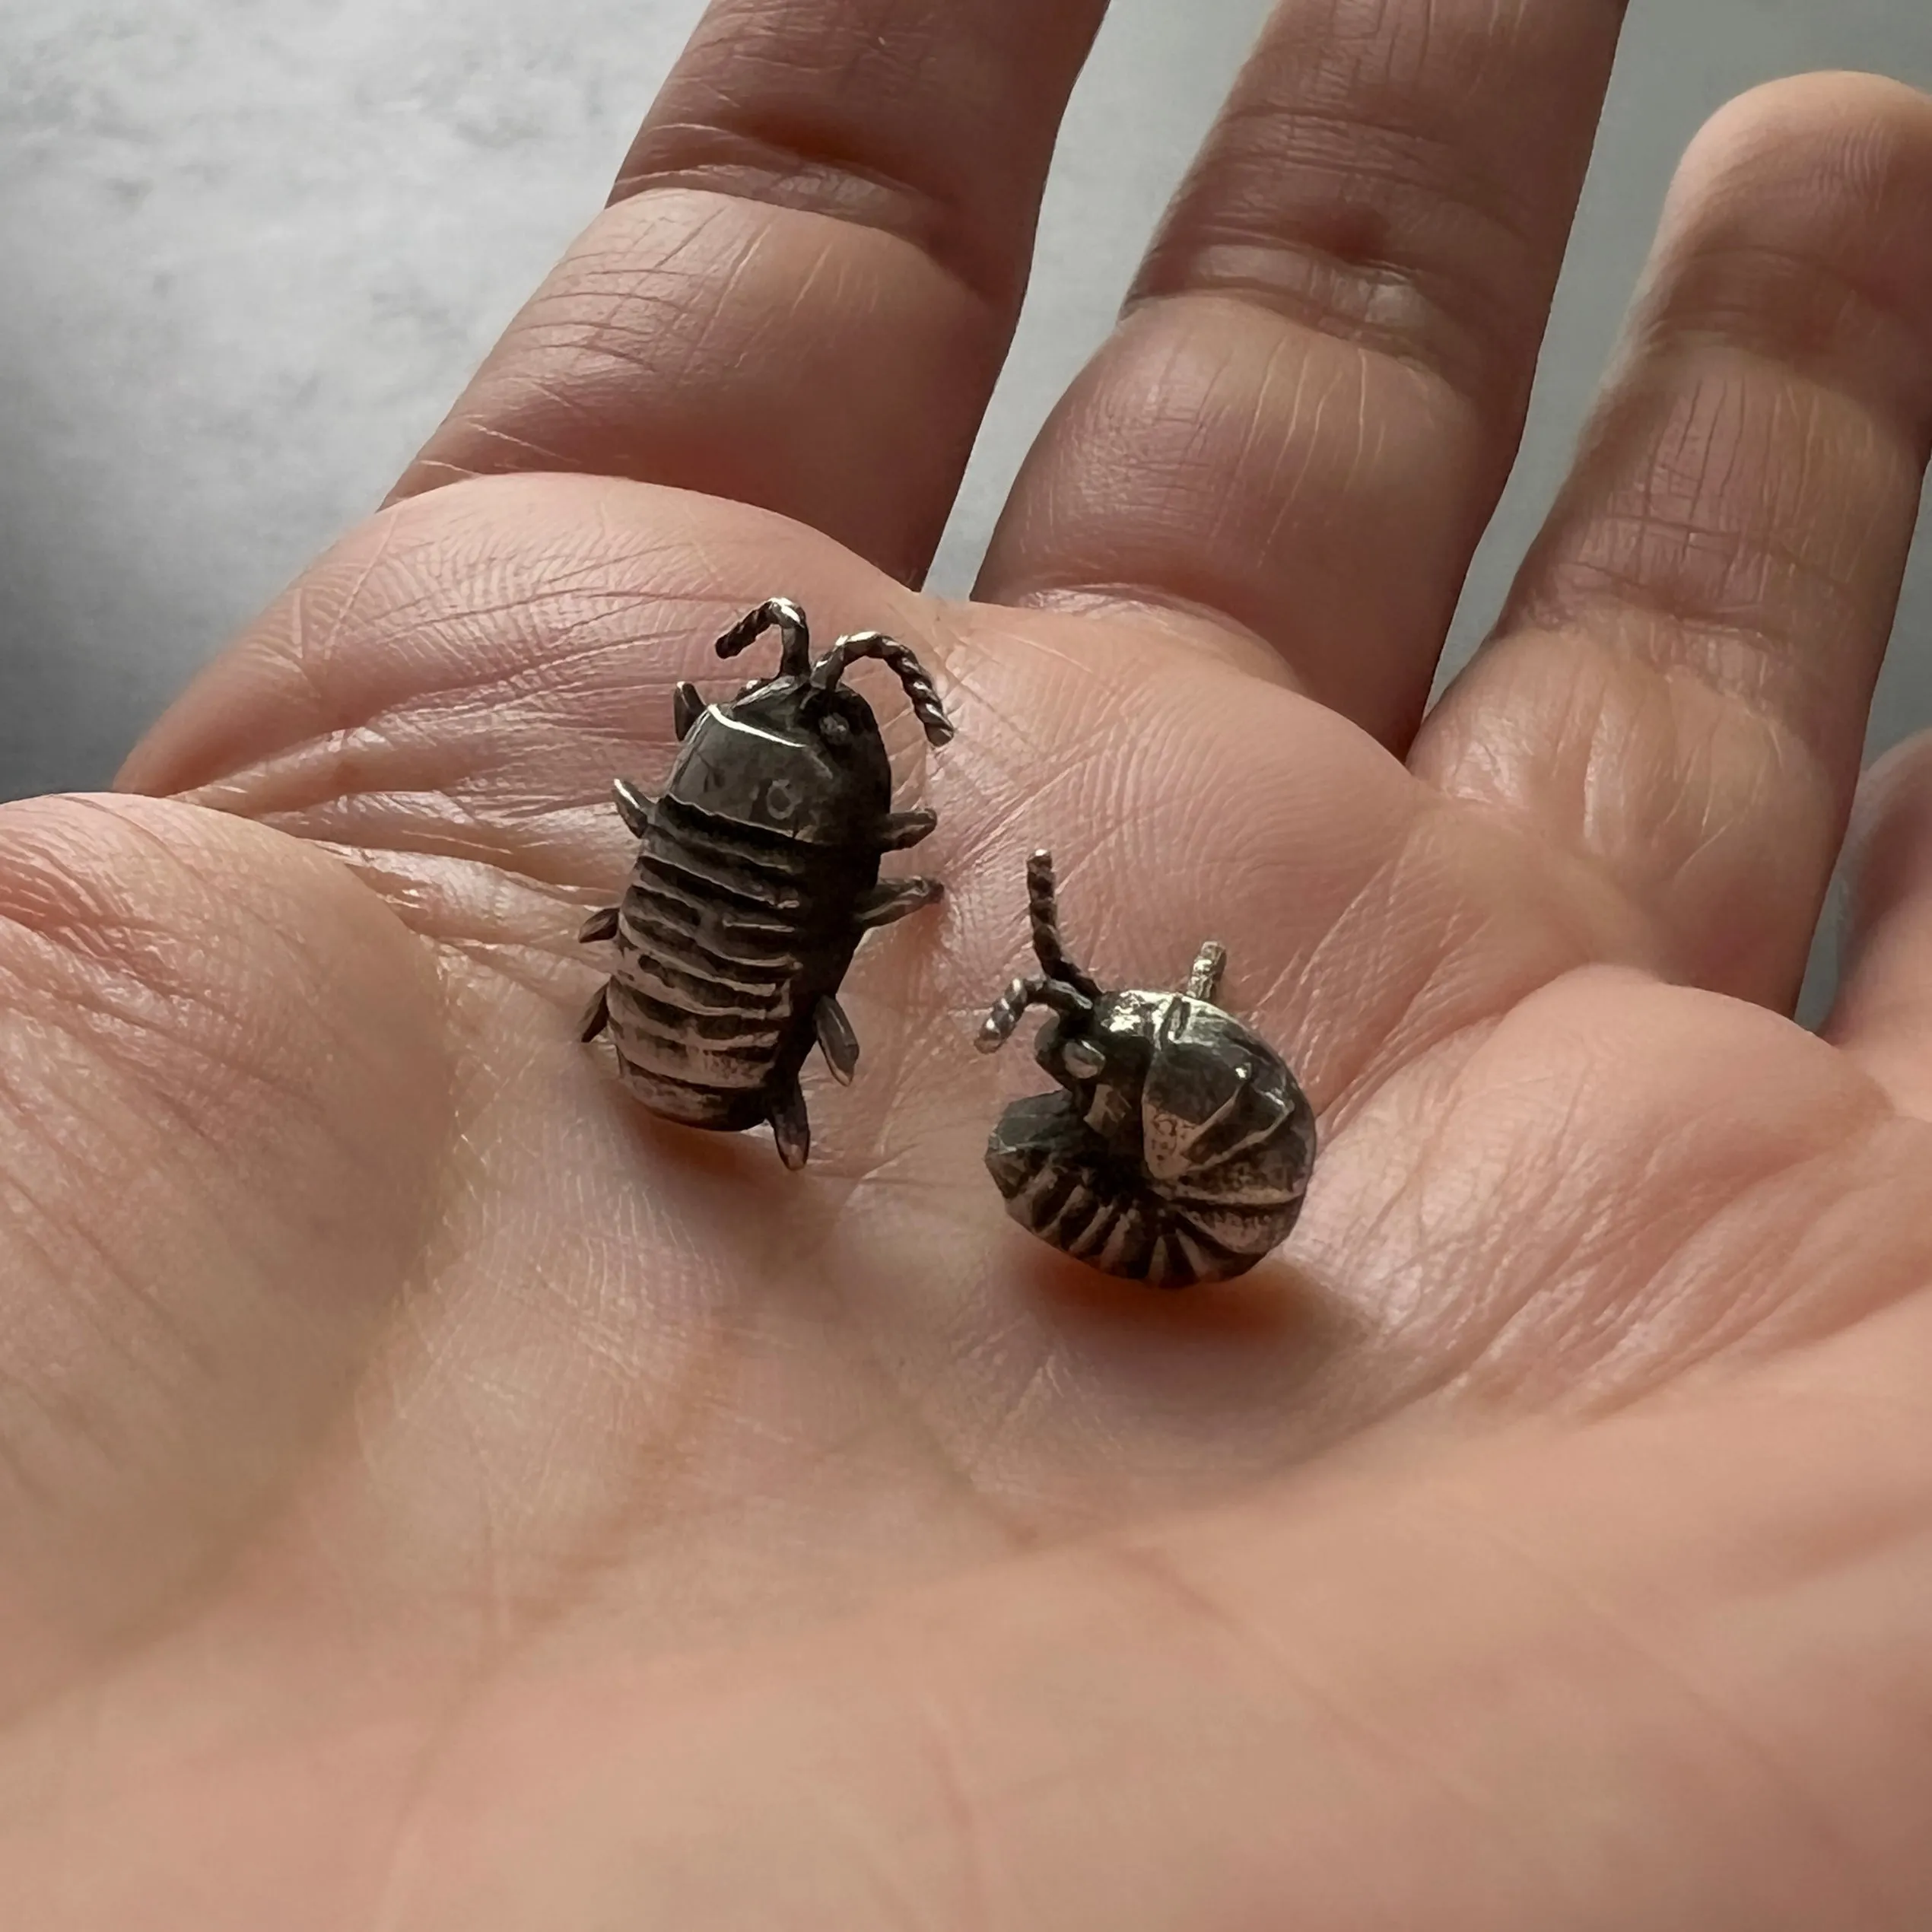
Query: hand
x,y
437,1496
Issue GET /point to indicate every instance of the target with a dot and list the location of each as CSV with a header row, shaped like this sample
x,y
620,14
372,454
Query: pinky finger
x,y
1883,1016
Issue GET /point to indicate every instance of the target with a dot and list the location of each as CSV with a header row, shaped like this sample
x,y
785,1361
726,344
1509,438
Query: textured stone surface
x,y
252,247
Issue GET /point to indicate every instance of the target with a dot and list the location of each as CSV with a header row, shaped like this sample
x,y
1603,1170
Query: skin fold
x,y
436,1495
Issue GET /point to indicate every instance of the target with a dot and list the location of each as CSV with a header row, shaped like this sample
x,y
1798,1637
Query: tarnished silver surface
x,y
1180,1147
757,876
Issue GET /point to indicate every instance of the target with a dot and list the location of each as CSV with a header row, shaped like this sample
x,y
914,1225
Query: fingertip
x,y
1834,132
1796,226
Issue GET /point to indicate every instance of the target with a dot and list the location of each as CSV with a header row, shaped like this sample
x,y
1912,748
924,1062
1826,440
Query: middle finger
x,y
1302,424
803,289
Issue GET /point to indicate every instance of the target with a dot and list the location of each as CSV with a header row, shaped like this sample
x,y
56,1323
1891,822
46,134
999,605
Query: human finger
x,y
1678,687
1302,425
1883,1013
803,290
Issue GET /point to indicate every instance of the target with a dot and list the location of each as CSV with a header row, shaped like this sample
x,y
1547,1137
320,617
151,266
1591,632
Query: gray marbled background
x,y
251,248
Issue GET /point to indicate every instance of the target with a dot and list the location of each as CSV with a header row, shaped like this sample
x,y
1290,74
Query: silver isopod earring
x,y
757,875
1179,1147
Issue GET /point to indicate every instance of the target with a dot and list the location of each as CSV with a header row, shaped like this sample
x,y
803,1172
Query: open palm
x,y
434,1494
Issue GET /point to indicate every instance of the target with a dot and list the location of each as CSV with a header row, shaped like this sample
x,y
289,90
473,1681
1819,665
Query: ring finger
x,y
1302,426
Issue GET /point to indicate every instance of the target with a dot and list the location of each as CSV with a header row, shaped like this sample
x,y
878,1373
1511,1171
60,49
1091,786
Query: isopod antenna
x,y
778,614
1010,1007
1043,909
926,705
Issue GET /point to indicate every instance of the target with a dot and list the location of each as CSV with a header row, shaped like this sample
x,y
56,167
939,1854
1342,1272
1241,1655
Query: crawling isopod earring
x,y
1181,1146
757,876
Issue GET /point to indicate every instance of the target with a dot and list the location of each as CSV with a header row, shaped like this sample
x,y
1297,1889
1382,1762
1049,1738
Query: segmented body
x,y
728,938
1062,1183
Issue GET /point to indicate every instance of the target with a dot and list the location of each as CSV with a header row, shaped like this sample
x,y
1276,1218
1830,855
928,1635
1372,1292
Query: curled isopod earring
x,y
1179,1147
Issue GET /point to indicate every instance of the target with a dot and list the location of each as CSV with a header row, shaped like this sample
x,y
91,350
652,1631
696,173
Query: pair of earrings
x,y
1179,1146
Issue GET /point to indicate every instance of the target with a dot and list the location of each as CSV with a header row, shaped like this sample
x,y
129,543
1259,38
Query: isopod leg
x,y
687,707
791,1126
896,898
633,807
837,1041
600,925
596,1016
905,829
